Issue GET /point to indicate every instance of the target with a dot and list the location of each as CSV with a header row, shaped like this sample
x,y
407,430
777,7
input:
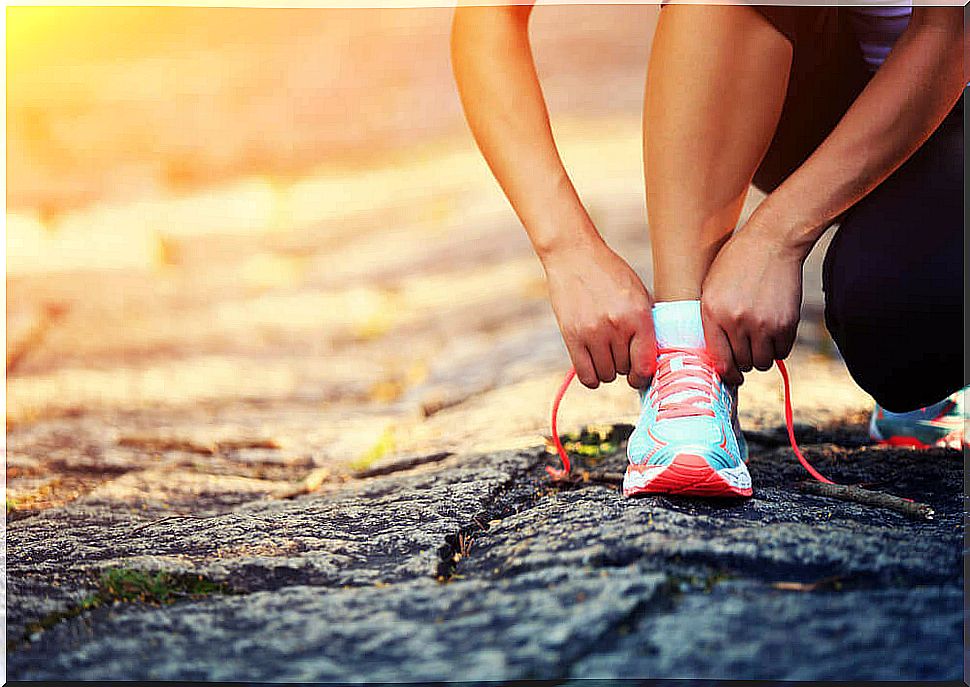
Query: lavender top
x,y
877,29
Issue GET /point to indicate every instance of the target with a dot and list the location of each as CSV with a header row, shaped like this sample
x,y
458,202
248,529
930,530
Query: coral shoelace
x,y
678,381
671,383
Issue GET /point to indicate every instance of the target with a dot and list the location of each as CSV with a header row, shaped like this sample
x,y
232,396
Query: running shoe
x,y
942,424
688,440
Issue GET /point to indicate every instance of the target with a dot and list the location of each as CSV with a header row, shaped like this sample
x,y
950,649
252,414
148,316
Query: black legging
x,y
893,274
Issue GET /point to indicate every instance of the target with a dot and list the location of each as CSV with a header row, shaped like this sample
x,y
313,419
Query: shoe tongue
x,y
677,363
693,364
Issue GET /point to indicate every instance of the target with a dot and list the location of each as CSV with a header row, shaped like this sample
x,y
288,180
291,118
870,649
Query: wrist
x,y
556,220
781,224
566,242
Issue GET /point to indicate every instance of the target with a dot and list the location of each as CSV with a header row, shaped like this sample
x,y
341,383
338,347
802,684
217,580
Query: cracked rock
x,y
531,626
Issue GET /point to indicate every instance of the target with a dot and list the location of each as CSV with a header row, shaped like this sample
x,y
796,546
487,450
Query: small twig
x,y
878,499
834,582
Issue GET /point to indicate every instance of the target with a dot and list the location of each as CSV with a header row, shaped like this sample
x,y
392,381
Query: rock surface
x,y
477,567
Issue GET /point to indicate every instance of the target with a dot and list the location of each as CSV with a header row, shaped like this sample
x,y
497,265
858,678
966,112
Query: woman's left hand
x,y
751,300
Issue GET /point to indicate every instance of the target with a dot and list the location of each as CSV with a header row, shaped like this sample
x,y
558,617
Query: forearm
x,y
899,109
505,109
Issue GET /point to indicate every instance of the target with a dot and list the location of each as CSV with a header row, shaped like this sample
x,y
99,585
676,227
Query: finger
x,y
602,357
620,347
741,349
584,366
783,344
720,348
762,353
643,358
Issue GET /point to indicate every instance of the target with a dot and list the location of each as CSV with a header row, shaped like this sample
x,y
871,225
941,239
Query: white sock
x,y
678,324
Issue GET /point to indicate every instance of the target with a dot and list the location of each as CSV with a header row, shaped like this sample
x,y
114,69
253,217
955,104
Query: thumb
x,y
719,347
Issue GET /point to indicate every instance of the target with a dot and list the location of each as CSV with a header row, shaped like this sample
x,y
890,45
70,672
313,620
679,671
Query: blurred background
x,y
227,223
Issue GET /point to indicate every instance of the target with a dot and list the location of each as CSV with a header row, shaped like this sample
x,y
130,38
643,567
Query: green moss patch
x,y
594,442
122,584
126,585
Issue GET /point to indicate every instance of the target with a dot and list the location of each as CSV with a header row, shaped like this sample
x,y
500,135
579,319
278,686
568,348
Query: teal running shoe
x,y
688,440
942,424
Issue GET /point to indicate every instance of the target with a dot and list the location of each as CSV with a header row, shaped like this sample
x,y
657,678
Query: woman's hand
x,y
751,300
604,314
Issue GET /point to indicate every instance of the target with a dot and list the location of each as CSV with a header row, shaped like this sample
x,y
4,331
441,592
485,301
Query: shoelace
x,y
670,383
679,408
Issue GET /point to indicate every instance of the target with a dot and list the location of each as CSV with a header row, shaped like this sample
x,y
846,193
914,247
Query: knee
x,y
862,362
900,362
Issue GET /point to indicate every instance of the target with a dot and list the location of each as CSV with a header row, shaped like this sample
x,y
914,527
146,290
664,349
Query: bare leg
x,y
715,88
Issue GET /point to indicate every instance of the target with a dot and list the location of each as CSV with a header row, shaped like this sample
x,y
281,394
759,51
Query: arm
x,y
601,305
505,109
903,104
753,291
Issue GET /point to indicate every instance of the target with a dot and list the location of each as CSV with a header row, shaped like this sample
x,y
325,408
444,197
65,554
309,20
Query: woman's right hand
x,y
604,314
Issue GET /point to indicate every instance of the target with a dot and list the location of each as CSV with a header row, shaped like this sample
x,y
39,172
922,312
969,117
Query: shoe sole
x,y
903,442
915,444
685,475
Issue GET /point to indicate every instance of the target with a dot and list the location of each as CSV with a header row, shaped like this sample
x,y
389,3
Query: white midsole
x,y
738,477
638,480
